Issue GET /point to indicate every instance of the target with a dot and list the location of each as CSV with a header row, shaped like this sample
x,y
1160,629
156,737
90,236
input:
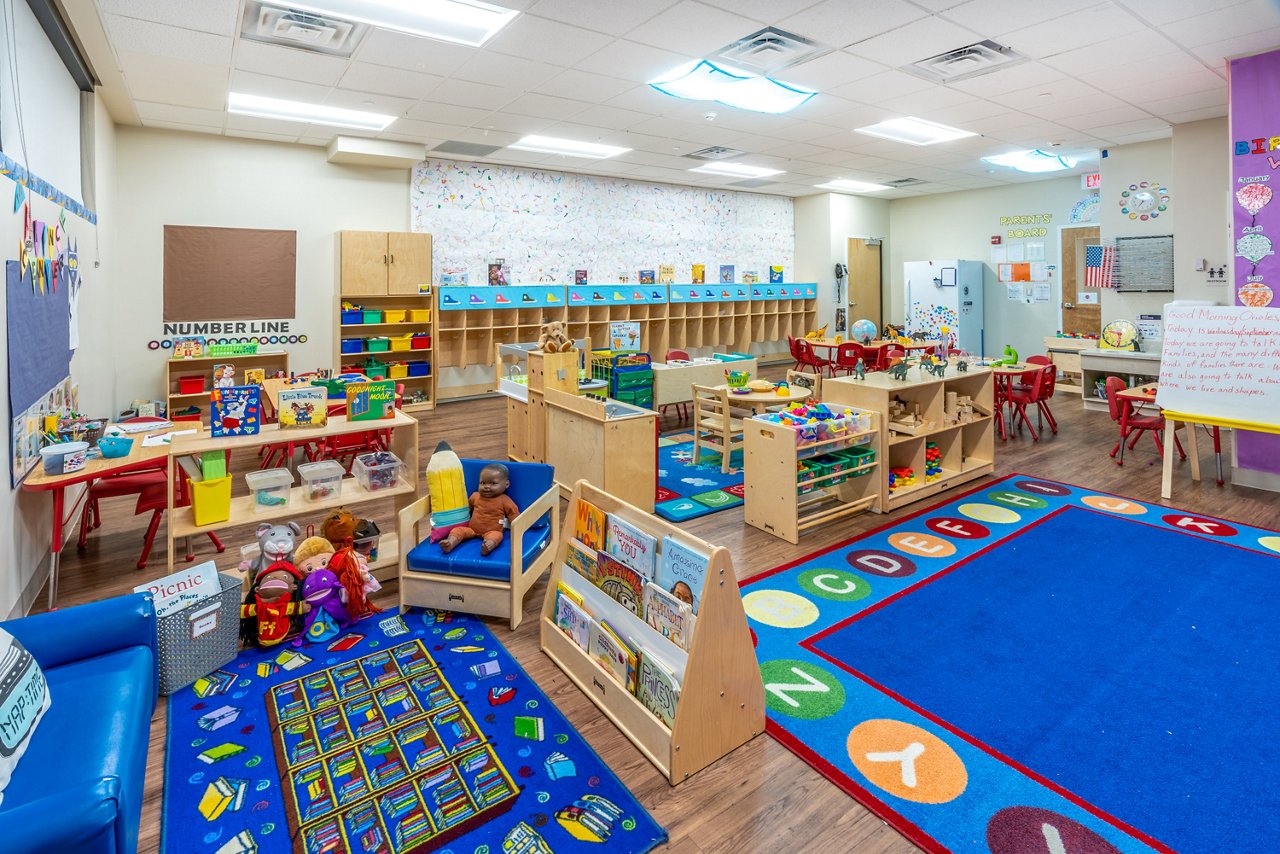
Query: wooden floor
x,y
760,798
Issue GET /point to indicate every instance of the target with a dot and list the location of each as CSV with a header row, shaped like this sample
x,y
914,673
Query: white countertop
x,y
1120,354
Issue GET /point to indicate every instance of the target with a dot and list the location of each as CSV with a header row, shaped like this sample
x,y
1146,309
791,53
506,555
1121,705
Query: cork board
x,y
229,273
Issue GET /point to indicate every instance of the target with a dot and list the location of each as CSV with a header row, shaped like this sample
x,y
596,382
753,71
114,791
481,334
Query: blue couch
x,y
492,584
79,786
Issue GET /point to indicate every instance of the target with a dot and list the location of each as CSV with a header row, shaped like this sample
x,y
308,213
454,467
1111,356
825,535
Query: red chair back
x,y
794,348
1050,381
893,357
1115,406
848,354
1039,360
806,356
681,355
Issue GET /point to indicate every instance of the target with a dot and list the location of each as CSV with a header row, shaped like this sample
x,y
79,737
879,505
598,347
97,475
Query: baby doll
x,y
491,511
312,554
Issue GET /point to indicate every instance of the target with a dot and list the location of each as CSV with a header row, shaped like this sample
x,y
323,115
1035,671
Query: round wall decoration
x,y
1144,200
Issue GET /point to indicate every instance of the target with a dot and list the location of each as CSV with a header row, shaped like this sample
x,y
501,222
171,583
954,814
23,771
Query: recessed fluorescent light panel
x,y
704,81
846,185
1032,161
567,147
914,131
736,170
468,22
296,111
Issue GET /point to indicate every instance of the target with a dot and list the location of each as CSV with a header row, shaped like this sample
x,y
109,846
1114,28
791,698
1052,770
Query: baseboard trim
x,y
29,593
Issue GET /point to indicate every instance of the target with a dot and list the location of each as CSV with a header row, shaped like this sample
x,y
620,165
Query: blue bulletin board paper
x,y
39,337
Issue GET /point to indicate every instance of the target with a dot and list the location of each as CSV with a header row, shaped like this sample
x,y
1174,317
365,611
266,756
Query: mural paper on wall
x,y
550,223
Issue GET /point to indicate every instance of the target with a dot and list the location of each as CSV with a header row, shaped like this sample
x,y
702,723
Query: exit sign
x,y
1092,181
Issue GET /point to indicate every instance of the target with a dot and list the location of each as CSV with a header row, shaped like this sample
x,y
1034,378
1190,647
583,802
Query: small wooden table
x,y
759,401
1004,377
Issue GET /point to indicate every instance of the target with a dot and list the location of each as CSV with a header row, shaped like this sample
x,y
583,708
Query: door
x,y
864,280
363,259
410,262
1081,318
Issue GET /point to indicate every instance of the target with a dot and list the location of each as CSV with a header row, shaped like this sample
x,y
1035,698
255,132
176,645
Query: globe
x,y
863,330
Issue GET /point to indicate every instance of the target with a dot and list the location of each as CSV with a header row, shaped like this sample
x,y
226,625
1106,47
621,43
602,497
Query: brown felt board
x,y
229,273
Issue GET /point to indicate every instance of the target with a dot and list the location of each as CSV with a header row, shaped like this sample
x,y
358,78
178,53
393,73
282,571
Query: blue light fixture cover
x,y
705,81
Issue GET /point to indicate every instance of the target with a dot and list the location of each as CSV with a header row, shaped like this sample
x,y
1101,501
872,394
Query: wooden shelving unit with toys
x,y
938,428
721,696
270,362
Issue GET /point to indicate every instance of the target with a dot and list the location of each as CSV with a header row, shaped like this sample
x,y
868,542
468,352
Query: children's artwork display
x,y
303,407
235,411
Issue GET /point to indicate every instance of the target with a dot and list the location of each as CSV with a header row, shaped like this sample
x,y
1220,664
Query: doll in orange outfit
x,y
491,511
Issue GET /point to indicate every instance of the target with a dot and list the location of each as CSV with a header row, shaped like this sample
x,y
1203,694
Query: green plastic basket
x,y
233,349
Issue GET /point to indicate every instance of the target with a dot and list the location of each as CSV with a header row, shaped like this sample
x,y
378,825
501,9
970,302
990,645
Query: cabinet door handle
x,y
393,259
384,259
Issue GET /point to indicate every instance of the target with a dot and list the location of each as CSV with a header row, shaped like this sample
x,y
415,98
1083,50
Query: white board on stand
x,y
1221,363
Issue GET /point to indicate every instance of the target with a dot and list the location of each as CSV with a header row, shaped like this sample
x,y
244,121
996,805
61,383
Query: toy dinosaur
x,y
962,367
818,333
860,370
899,371
937,367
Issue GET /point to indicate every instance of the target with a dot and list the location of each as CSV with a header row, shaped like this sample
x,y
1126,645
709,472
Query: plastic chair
x,y
682,407
807,359
1132,425
1051,382
1025,394
847,356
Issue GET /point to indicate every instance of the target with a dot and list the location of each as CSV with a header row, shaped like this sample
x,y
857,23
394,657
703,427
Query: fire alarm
x,y
995,240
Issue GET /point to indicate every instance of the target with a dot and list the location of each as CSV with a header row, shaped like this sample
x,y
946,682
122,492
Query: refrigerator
x,y
945,293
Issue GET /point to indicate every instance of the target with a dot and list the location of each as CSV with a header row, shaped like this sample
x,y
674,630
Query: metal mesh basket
x,y
201,637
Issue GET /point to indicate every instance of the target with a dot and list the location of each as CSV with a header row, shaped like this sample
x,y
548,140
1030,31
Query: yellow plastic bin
x,y
420,315
397,370
211,500
393,315
402,342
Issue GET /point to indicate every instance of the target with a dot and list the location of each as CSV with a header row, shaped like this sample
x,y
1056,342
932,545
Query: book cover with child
x,y
682,572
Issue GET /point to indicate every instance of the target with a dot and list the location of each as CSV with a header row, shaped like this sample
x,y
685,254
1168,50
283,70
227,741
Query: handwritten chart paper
x,y
1221,363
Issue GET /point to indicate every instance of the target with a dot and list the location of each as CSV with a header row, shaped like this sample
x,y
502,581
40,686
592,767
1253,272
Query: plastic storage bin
x,y
372,315
191,385
200,638
352,315
379,470
397,370
830,464
393,315
270,489
375,370
420,342
352,345
401,342
419,369
858,455
321,480
378,345
211,500
420,315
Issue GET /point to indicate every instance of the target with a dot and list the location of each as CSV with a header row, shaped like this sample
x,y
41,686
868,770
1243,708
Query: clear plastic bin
x,y
321,480
270,489
379,470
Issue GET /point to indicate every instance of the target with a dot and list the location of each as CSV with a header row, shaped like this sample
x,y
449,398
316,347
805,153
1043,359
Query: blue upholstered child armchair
x,y
79,785
465,580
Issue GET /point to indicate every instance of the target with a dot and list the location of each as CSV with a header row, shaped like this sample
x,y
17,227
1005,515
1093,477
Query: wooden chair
x,y
813,382
714,426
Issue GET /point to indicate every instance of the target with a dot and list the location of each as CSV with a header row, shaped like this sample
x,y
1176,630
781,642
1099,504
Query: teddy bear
x,y
553,338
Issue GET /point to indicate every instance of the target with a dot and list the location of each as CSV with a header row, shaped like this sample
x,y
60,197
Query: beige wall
x,y
824,224
1202,189
1131,164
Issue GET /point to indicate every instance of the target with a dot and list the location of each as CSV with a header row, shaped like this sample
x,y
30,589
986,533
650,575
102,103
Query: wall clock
x,y
1119,335
1145,200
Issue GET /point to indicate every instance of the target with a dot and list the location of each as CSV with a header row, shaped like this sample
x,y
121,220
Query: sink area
x,y
614,409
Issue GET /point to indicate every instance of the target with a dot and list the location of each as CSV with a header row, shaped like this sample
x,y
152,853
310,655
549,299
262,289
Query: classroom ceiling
x,y
1096,74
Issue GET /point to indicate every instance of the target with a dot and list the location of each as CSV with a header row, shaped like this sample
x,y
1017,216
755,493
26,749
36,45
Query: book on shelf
x,y
235,411
620,582
371,401
666,274
632,546
224,375
572,617
775,275
613,654
588,526
580,559
646,277
750,277
671,617
307,406
657,688
682,572
579,277
499,273
454,276
699,274
255,376
726,274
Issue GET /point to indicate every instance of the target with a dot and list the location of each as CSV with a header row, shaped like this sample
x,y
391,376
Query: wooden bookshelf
x,y
270,361
425,385
721,704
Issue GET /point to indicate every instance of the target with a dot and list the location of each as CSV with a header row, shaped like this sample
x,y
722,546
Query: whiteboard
x,y
1221,363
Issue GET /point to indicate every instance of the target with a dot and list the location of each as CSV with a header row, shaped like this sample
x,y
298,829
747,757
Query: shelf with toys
x,y
680,680
397,330
937,431
809,465
189,380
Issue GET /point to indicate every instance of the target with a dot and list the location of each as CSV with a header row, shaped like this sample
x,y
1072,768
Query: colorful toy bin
x,y
64,457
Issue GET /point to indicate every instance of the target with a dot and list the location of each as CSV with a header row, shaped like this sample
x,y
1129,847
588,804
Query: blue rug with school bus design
x,y
408,733
1037,668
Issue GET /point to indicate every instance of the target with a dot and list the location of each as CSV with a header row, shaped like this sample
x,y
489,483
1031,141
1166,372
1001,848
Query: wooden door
x,y
364,261
1084,319
864,280
410,262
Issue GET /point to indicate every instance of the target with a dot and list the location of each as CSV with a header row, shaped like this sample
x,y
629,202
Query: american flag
x,y
1098,263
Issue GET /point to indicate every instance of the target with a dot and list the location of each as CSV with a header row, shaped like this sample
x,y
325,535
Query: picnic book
x,y
669,615
371,401
682,572
588,526
632,546
235,411
622,583
306,406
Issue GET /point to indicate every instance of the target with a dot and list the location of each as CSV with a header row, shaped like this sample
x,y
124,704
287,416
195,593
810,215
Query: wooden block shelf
x,y
271,361
721,704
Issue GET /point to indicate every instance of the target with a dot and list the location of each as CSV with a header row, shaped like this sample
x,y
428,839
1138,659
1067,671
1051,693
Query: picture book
x,y
454,276
371,401
726,274
666,274
682,572
304,406
573,619
235,411
224,376
191,347
622,583
580,558
588,527
750,277
646,277
185,587
499,274
672,617
613,654
624,278
634,547
775,275
579,277
657,688
565,590
699,274
255,376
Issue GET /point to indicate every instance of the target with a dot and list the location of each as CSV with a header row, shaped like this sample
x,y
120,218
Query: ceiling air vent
x,y
965,62
768,50
715,152
904,182
467,149
281,25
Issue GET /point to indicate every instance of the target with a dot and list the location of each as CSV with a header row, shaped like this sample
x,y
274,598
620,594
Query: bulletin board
x,y
39,337
229,273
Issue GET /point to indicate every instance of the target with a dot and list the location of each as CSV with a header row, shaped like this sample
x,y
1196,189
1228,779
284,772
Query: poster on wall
x,y
1255,103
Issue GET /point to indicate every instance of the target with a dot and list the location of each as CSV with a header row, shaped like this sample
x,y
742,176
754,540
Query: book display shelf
x,y
721,695
181,376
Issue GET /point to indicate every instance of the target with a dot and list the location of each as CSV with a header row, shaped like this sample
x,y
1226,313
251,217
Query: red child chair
x,y
1026,393
1132,425
809,361
1051,381
847,356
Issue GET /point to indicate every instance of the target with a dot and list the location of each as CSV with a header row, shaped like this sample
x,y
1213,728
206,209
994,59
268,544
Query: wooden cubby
x,y
721,704
271,361
968,449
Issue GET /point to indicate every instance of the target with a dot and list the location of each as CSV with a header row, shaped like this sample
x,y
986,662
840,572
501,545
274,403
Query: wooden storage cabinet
x,y
271,361
380,263
1065,355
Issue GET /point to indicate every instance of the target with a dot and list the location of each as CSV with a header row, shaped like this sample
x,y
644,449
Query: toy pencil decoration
x,y
447,489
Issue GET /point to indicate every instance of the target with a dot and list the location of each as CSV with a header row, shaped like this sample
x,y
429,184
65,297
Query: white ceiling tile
x,y
929,101
486,137
498,69
211,16
1072,31
1183,103
158,123
1160,12
611,118
995,17
645,99
425,142
767,11
369,102
173,113
882,87
1064,90
424,130
1078,113
366,77
263,135
830,70
1196,115
1009,79
1142,136
171,81
475,95
583,86
1201,80
1112,132
1215,52
960,114
1241,20
832,110
131,34
531,37
632,61
840,23
613,19
446,114
1139,47
587,133
295,64
544,106
692,28
249,83
260,125
383,47
1147,69
506,121
915,41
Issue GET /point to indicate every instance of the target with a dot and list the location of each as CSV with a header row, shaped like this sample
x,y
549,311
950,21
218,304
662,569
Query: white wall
x,y
168,178
824,224
960,225
1202,188
1131,164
